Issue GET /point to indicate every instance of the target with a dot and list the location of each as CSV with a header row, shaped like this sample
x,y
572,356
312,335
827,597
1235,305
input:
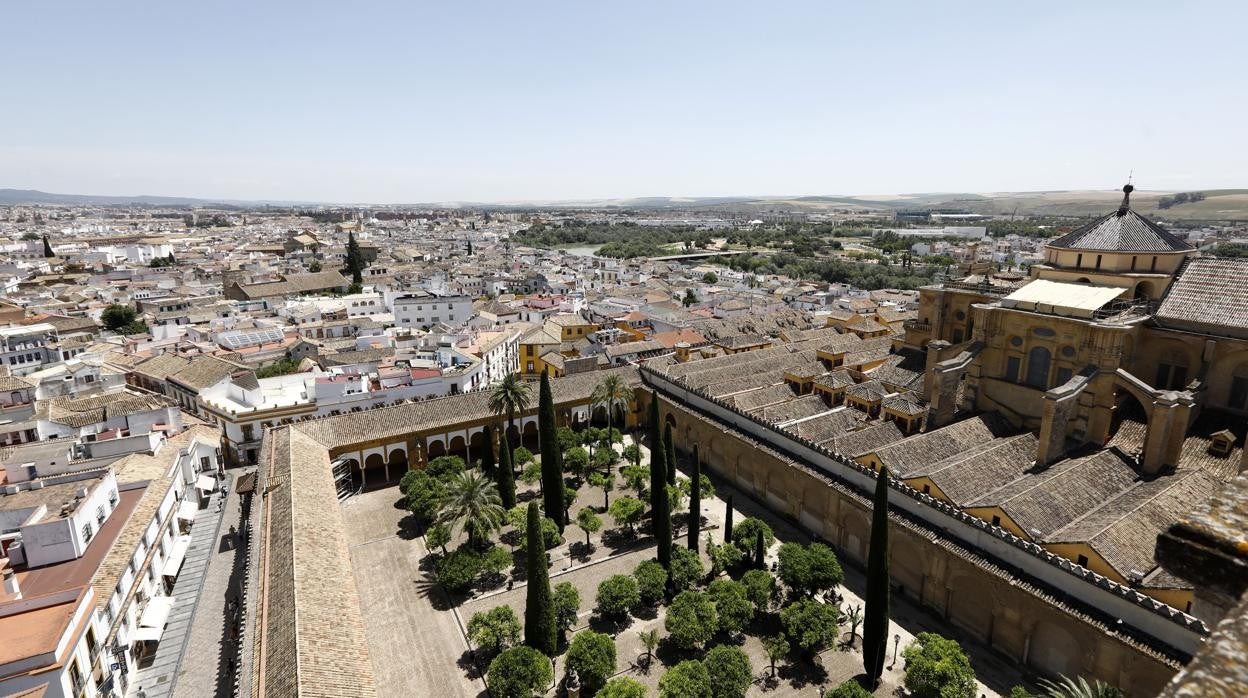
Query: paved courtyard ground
x,y
416,632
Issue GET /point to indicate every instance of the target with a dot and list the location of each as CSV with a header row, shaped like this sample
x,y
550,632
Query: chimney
x,y
12,588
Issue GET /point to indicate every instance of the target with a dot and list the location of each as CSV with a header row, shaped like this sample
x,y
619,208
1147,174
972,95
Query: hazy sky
x,y
465,100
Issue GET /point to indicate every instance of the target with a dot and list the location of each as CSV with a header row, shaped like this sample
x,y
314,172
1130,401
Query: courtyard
x,y
417,636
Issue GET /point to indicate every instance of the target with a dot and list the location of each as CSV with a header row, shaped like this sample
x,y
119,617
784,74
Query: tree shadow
x,y
409,528
669,654
803,672
619,538
438,597
609,626
581,551
474,663
511,538
646,612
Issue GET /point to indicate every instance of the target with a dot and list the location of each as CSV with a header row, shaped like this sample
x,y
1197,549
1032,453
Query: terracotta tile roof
x,y
1121,231
864,441
965,476
1124,529
311,640
79,412
755,399
826,427
161,367
916,453
1210,291
1044,501
205,371
398,421
807,406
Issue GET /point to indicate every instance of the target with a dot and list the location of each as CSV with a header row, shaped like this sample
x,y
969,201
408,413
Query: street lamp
x,y
896,642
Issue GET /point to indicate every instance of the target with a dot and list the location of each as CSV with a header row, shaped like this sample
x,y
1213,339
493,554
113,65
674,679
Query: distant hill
x,y
34,196
1218,204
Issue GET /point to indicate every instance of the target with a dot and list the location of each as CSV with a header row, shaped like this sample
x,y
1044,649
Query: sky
x,y
411,102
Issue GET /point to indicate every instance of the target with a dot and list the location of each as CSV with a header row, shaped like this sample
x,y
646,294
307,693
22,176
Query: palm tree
x,y
649,640
611,391
472,504
1067,687
509,396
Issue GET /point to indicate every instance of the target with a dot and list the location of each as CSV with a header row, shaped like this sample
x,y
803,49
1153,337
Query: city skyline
x,y
506,104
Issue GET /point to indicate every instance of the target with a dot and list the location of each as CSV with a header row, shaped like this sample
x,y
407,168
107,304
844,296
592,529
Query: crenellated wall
x,y
1030,605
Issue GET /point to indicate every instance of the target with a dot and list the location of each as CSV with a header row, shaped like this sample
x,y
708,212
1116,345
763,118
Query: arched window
x,y
1038,360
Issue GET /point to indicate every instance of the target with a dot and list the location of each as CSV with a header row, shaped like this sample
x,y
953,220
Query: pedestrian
x,y
140,693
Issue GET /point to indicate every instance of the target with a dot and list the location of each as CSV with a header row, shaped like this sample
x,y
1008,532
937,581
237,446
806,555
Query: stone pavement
x,y
415,643
157,679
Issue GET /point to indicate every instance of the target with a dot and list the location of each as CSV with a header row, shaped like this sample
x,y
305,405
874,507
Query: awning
x,y
141,634
206,483
187,511
176,556
156,612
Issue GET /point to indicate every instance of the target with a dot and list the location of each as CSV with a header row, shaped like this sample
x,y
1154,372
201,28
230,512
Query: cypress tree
x,y
355,260
728,518
47,248
875,623
654,437
506,477
695,502
663,526
540,630
760,549
659,505
670,452
487,458
548,444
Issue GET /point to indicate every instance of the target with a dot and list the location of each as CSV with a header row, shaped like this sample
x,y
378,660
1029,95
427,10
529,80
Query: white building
x,y
421,310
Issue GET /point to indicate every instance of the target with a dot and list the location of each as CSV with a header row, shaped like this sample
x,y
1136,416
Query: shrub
x,y
811,625
457,570
520,672
729,671
811,569
521,456
622,687
691,620
689,679
759,588
616,595
686,569
576,461
567,439
936,667
496,560
592,656
627,511
518,517
495,629
651,581
850,689
724,556
743,534
567,602
732,606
